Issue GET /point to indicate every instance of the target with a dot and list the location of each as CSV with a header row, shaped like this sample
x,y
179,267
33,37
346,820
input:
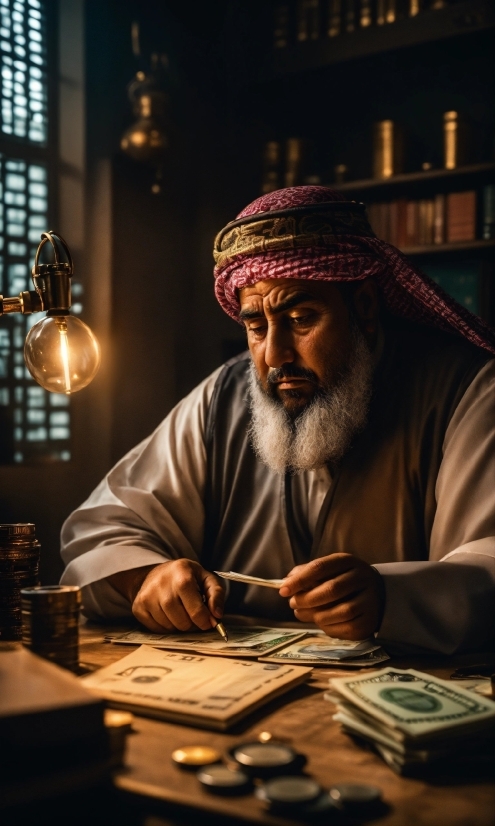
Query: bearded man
x,y
351,451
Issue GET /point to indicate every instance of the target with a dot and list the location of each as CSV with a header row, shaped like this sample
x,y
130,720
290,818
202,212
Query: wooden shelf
x,y
457,19
460,246
414,178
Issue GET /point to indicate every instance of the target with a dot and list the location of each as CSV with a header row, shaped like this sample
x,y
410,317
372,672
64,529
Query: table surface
x,y
302,718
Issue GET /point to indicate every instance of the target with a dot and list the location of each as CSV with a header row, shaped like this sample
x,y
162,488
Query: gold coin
x,y
118,719
196,756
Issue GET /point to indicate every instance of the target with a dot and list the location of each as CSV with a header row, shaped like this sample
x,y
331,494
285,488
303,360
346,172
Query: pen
x,y
221,630
219,626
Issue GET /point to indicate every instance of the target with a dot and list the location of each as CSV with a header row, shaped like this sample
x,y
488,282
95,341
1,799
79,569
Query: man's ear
x,y
367,306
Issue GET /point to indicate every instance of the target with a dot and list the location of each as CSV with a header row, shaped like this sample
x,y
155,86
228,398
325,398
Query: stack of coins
x,y
19,562
50,623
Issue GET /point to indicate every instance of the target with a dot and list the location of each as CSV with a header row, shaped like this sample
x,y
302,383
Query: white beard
x,y
324,431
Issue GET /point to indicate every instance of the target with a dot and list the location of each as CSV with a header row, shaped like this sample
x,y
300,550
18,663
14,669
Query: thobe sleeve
x,y
148,509
447,604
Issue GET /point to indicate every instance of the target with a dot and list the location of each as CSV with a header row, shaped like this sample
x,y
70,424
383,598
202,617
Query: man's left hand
x,y
340,593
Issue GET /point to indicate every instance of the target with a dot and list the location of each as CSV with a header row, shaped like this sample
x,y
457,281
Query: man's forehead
x,y
279,290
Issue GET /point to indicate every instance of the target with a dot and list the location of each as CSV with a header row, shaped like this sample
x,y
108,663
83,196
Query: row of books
x,y
444,219
330,18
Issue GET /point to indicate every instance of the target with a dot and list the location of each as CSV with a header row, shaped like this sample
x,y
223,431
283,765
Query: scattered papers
x,y
197,690
320,650
250,580
244,641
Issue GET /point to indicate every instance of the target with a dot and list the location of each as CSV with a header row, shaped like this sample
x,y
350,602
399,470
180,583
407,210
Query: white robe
x,y
149,508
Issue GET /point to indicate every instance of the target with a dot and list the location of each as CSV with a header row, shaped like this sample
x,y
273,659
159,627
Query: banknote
x,y
250,580
415,706
318,650
244,641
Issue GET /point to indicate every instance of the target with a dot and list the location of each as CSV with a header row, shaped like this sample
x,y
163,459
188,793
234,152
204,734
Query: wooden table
x,y
304,719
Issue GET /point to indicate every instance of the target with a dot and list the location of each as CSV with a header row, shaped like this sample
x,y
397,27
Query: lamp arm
x,y
26,303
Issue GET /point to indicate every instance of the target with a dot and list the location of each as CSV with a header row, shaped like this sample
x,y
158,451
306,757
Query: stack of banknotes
x,y
413,719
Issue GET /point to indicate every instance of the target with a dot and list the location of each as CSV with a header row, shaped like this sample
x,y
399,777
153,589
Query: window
x,y
34,424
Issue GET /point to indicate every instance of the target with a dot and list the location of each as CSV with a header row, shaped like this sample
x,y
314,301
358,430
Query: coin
x,y
219,779
355,794
289,791
191,757
264,755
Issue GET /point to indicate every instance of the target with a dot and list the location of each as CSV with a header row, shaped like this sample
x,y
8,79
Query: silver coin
x,y
290,790
264,755
219,777
355,794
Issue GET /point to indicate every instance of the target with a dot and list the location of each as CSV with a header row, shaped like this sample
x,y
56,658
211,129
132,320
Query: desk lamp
x,y
60,351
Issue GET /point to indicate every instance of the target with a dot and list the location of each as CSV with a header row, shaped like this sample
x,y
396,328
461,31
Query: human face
x,y
299,336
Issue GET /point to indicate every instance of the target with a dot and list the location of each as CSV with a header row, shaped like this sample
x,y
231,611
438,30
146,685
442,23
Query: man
x,y
351,452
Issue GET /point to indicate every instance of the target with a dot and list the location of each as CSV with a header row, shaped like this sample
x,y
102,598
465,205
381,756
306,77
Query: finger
x,y
192,602
145,618
182,600
172,607
306,577
214,594
344,612
334,590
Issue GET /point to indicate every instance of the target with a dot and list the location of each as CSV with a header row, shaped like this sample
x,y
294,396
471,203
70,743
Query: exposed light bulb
x,y
62,354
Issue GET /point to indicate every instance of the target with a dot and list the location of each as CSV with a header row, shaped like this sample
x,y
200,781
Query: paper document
x,y
193,689
244,641
251,580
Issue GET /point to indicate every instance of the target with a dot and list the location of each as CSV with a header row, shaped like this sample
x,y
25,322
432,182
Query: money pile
x,y
19,562
413,719
50,623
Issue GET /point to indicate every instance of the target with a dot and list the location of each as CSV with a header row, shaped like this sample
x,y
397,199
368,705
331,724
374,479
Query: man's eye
x,y
257,331
301,320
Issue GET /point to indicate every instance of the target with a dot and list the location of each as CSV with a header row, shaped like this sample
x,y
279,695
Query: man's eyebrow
x,y
293,301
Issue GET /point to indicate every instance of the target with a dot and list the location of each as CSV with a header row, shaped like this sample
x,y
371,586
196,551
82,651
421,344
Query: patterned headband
x,y
320,225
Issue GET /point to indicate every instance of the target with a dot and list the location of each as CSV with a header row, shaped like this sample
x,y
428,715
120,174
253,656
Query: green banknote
x,y
415,705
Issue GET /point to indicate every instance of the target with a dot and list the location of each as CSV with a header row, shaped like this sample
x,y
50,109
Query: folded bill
x,y
318,650
250,580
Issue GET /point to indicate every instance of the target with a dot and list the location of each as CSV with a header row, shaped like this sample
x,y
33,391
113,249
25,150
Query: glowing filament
x,y
64,352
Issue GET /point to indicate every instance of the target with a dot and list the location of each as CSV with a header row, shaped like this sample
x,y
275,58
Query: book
x,y
334,23
249,641
412,224
439,219
398,223
461,216
426,221
197,690
488,230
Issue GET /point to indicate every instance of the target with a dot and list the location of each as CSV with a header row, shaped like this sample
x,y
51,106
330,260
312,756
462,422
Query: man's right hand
x,y
169,597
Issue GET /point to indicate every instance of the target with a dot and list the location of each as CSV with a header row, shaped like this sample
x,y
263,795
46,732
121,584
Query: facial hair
x,y
325,429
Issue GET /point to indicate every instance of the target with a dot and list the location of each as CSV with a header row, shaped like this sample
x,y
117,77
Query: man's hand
x,y
343,595
169,597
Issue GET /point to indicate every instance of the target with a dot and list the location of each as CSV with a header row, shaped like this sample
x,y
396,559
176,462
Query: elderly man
x,y
351,451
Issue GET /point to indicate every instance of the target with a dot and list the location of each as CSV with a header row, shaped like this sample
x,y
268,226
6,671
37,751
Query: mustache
x,y
290,371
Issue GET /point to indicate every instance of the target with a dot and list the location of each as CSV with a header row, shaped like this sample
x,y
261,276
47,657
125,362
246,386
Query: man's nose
x,y
278,347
